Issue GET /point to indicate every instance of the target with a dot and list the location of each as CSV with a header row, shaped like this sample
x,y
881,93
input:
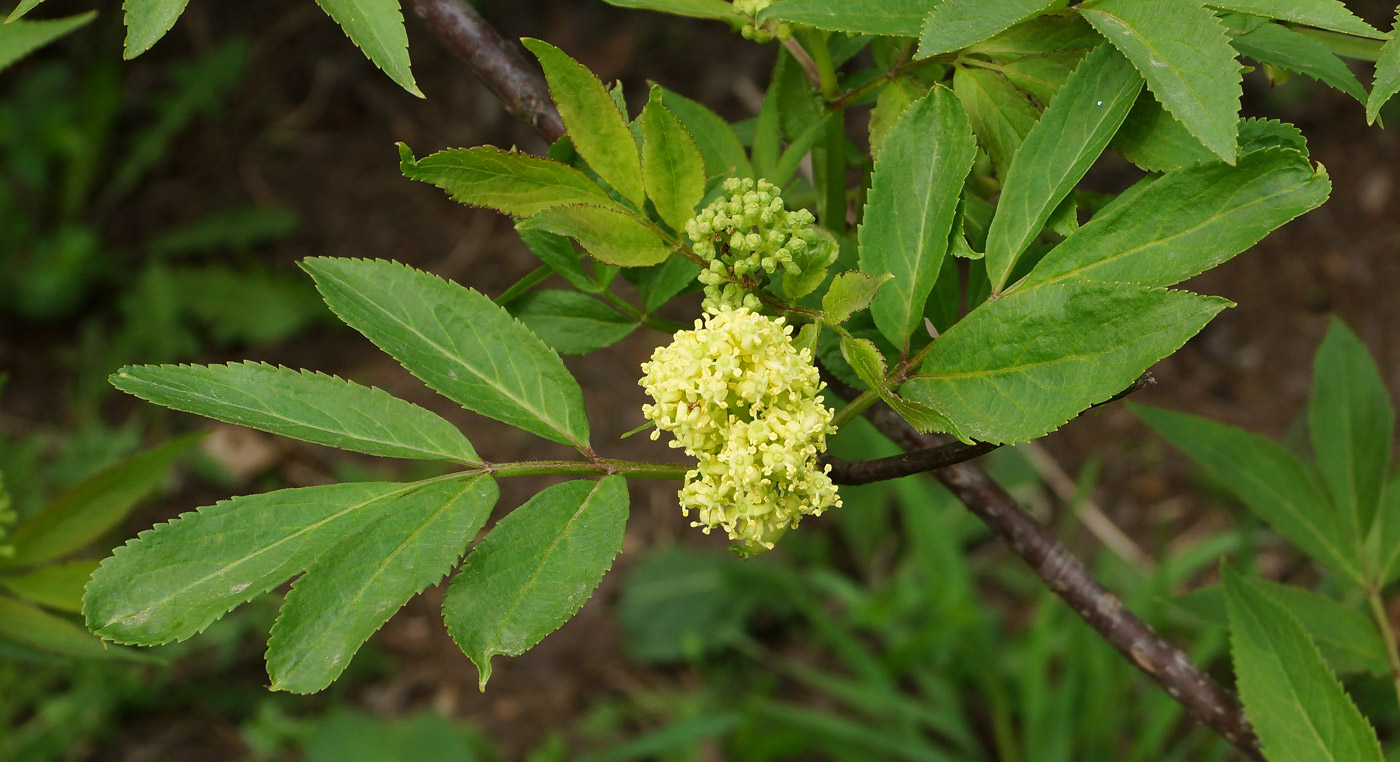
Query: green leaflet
x,y
849,293
1299,710
1060,148
458,342
59,586
1270,481
672,167
559,254
91,507
909,213
705,9
147,21
535,569
570,322
1387,82
896,18
1001,115
865,359
513,183
1166,229
892,101
658,283
1022,365
353,588
723,153
956,24
174,580
1323,14
376,27
305,405
597,128
1181,49
1384,542
1155,140
24,7
39,629
1350,421
1347,637
1277,46
20,38
609,235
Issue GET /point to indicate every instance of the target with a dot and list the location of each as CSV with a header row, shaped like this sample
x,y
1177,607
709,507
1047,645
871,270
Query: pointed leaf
x,y
58,587
1155,140
890,104
1181,49
895,18
956,24
1001,115
304,405
458,342
913,196
559,254
570,322
850,293
535,569
723,152
1277,46
94,505
1294,701
39,629
597,128
174,580
1021,366
1269,480
1387,81
1350,421
672,165
513,183
609,235
353,589
1323,14
1166,229
865,359
147,21
20,38
1058,151
376,27
24,7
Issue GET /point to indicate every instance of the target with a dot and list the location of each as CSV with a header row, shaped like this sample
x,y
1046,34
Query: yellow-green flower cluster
x,y
738,396
753,30
747,235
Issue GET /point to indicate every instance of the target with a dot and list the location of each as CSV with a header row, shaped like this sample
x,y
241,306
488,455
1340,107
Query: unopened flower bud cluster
x,y
738,396
753,30
747,235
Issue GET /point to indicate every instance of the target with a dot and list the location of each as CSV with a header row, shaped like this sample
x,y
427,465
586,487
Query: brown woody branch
x,y
522,89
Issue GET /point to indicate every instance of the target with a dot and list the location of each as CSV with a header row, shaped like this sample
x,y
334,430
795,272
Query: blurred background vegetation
x,y
153,211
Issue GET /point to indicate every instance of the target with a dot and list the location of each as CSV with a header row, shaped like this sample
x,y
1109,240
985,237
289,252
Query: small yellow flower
x,y
738,396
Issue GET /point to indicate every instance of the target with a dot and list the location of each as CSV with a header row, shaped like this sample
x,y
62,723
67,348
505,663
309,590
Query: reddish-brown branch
x,y
499,64
522,89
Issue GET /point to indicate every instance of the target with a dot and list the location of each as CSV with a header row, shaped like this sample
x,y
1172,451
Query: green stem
x,y
826,72
855,407
1387,634
599,467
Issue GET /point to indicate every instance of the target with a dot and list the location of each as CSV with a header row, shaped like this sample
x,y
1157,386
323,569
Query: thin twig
x,y
522,89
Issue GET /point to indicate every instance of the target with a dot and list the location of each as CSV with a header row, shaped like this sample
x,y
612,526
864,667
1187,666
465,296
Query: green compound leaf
x,y
1022,365
723,152
1001,115
1350,421
20,38
865,359
1181,49
1269,480
1166,229
704,9
513,183
894,18
1058,151
58,587
458,342
304,405
672,165
956,24
85,511
850,293
362,580
1323,14
1387,82
570,322
376,27
46,632
611,236
1297,706
147,21
597,128
535,569
1277,46
913,196
174,580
